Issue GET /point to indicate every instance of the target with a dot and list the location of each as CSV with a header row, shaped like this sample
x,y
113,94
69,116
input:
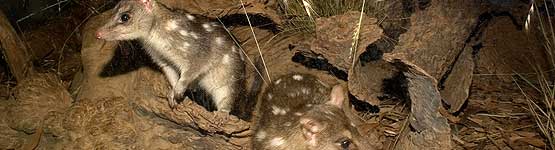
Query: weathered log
x,y
431,130
501,51
409,83
35,98
334,37
366,82
38,101
457,85
14,50
438,53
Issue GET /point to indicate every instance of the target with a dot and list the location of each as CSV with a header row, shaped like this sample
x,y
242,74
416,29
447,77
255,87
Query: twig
x,y
256,41
356,36
43,9
403,128
242,50
494,143
512,115
67,40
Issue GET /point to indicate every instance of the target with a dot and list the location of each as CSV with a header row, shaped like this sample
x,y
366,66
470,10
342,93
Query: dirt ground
x,y
493,113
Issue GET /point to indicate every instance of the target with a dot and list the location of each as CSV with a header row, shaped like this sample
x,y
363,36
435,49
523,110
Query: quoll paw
x,y
173,97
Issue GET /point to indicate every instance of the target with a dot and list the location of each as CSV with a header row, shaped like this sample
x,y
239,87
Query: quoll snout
x,y
98,34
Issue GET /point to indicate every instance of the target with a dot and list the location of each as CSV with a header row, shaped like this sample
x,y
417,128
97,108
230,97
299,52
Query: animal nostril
x,y
98,34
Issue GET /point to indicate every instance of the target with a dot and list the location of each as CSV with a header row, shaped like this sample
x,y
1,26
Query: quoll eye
x,y
124,18
345,144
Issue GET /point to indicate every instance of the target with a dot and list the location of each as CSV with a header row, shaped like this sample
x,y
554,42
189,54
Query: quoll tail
x,y
245,106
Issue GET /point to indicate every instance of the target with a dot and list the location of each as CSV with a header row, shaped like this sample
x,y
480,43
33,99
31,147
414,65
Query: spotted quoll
x,y
186,47
296,113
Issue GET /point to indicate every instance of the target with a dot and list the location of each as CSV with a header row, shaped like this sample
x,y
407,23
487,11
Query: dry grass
x,y
300,14
541,100
356,36
257,45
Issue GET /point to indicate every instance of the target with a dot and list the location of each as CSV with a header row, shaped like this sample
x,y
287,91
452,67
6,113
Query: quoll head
x,y
326,127
131,19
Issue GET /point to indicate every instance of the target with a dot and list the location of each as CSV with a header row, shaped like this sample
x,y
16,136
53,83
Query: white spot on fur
x,y
292,94
186,45
269,96
353,125
226,59
261,135
194,35
308,105
219,40
287,124
207,27
277,141
305,91
275,110
298,114
278,111
298,77
233,49
171,25
183,32
278,81
190,17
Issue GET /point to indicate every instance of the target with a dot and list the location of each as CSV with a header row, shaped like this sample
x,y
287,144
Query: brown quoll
x,y
296,113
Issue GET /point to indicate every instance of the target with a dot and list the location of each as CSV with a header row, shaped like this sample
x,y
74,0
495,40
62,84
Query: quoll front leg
x,y
171,74
178,91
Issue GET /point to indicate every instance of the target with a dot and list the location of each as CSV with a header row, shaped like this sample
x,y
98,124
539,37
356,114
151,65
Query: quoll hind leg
x,y
220,84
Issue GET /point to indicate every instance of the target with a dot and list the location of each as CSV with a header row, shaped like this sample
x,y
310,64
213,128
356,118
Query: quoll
x,y
296,113
186,47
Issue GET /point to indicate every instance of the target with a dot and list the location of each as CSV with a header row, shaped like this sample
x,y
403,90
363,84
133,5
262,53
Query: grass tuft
x,y
300,15
356,36
541,99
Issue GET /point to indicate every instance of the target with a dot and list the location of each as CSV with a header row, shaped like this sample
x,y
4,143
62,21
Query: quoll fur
x,y
186,47
298,112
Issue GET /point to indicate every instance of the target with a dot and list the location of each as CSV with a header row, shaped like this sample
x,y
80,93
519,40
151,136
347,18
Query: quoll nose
x,y
98,35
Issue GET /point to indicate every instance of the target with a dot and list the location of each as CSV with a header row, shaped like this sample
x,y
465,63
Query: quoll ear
x,y
337,96
148,4
310,128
